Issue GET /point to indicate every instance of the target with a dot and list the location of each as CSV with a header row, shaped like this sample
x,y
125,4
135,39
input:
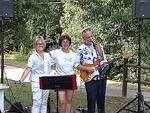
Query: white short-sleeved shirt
x,y
87,55
39,66
65,62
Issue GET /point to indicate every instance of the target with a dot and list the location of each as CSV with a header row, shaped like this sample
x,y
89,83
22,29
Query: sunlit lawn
x,y
23,93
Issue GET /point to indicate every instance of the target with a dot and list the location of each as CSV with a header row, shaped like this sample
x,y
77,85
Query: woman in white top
x,y
66,61
39,64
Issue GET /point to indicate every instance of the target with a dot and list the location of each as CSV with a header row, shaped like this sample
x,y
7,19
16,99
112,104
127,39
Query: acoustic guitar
x,y
87,77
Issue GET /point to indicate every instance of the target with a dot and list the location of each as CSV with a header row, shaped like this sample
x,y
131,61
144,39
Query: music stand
x,y
139,95
57,82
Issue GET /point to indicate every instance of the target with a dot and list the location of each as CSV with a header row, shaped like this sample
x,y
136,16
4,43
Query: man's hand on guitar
x,y
91,70
94,72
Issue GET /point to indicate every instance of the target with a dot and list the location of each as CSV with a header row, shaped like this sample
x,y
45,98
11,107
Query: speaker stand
x,y
2,49
139,96
2,21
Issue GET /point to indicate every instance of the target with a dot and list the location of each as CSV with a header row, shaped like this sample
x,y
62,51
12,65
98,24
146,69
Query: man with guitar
x,y
92,55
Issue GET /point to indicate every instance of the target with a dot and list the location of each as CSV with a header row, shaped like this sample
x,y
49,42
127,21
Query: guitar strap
x,y
100,51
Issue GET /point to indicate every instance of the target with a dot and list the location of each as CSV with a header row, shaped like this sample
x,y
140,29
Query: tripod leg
x,y
147,105
49,105
16,107
57,101
142,102
127,105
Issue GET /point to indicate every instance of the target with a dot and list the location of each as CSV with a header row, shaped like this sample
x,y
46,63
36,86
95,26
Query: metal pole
x,y
2,51
140,97
57,97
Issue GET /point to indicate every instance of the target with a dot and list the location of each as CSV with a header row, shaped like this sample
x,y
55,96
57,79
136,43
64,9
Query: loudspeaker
x,y
6,8
141,8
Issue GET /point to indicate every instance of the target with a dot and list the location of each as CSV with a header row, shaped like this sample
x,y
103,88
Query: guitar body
x,y
86,77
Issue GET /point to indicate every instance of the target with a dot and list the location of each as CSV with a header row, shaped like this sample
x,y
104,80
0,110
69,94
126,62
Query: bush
x,y
21,57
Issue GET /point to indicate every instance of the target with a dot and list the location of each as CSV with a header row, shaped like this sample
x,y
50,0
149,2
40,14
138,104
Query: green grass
x,y
20,64
16,59
23,94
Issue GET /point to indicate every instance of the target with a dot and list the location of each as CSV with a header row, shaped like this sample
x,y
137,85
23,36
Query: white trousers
x,y
39,97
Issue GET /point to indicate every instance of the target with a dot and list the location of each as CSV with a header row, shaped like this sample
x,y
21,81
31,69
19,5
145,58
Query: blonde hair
x,y
36,39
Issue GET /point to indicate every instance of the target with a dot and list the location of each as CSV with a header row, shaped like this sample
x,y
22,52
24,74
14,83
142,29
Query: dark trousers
x,y
96,90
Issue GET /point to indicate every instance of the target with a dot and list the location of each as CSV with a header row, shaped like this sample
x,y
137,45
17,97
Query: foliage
x,y
16,59
32,18
112,22
20,57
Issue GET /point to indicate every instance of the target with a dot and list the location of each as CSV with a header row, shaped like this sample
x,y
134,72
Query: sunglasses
x,y
85,30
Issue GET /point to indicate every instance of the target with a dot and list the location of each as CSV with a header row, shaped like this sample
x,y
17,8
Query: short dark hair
x,y
63,37
85,30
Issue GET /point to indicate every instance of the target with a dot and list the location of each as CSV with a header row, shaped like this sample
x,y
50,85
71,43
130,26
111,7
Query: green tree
x,y
30,18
